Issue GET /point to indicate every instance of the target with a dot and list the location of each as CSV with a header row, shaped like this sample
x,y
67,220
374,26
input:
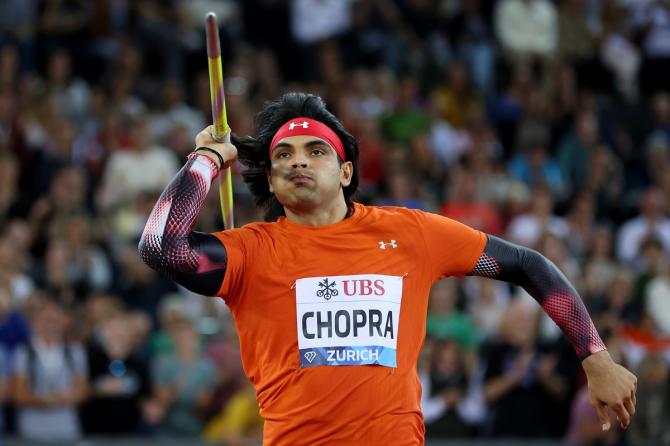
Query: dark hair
x,y
254,152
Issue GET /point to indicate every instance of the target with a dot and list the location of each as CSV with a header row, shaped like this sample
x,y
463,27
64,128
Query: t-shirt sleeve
x,y
244,249
236,253
452,248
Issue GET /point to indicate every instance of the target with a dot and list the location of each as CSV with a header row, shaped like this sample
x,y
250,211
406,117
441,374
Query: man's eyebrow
x,y
281,145
315,142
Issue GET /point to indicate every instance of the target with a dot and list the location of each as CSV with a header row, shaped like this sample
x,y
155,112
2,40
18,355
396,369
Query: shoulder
x,y
422,220
391,212
248,233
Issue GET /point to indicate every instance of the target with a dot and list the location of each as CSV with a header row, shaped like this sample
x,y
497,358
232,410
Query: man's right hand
x,y
224,147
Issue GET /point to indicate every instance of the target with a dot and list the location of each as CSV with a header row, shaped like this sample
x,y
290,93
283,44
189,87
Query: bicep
x,y
506,261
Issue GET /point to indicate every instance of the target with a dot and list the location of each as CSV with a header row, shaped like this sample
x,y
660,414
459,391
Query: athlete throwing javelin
x,y
329,296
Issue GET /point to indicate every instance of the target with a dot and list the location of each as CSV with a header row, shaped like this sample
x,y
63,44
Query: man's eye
x,y
318,152
283,155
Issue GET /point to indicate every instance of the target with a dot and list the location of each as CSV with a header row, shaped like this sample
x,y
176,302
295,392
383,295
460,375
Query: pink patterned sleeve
x,y
529,269
193,259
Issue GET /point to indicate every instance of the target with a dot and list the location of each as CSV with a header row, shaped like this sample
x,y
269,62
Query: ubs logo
x,y
327,289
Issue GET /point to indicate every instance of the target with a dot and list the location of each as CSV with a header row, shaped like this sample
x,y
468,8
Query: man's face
x,y
305,173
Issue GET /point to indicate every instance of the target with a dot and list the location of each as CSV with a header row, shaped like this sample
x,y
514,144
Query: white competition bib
x,y
348,320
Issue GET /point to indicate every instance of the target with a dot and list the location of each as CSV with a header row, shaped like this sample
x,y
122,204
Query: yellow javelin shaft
x,y
219,114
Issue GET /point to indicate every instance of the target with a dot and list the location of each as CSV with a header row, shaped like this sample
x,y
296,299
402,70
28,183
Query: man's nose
x,y
300,161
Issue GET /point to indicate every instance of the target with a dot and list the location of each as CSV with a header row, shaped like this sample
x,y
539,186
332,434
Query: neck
x,y
321,216
46,339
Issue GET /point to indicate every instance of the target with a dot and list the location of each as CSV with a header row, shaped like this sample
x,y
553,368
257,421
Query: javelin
x,y
219,113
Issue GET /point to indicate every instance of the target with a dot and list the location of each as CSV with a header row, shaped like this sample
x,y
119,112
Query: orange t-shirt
x,y
310,301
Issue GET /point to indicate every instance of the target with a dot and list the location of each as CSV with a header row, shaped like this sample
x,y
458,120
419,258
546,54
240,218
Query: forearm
x,y
544,281
168,244
554,385
498,387
24,396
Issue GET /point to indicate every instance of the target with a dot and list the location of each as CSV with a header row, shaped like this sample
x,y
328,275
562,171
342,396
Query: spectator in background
x,y
653,261
651,221
141,288
142,167
660,108
527,29
406,120
616,308
535,167
66,195
521,384
120,379
465,205
447,381
654,24
657,301
472,33
239,423
576,150
87,266
70,96
14,329
527,228
161,25
10,202
445,320
401,191
651,428
50,377
174,112
18,26
13,263
314,22
657,158
372,155
486,304
575,40
456,100
184,382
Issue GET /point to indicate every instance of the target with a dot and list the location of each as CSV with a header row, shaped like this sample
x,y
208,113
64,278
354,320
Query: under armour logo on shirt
x,y
393,244
293,125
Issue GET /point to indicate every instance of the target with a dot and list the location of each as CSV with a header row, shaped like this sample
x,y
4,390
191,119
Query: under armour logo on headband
x,y
293,125
302,125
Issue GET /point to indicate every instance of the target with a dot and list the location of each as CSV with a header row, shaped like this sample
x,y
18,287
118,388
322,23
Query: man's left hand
x,y
610,386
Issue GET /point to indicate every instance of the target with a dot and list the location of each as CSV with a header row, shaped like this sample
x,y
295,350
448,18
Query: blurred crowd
x,y
543,122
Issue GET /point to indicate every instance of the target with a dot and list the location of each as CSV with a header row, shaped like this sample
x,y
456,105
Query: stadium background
x,y
544,122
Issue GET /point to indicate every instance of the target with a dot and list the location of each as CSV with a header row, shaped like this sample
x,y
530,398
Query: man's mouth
x,y
300,178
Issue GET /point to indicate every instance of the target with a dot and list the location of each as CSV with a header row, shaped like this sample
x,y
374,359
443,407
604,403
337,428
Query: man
x,y
330,297
50,378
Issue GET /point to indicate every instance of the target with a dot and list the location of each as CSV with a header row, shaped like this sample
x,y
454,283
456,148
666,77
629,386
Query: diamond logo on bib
x,y
360,327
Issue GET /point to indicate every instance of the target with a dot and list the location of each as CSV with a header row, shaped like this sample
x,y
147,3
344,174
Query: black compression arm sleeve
x,y
529,269
195,260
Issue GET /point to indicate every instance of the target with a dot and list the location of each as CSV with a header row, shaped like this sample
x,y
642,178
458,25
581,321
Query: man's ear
x,y
346,173
272,191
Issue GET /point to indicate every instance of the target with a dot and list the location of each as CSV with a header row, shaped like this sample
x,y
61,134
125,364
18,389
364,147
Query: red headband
x,y
307,126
